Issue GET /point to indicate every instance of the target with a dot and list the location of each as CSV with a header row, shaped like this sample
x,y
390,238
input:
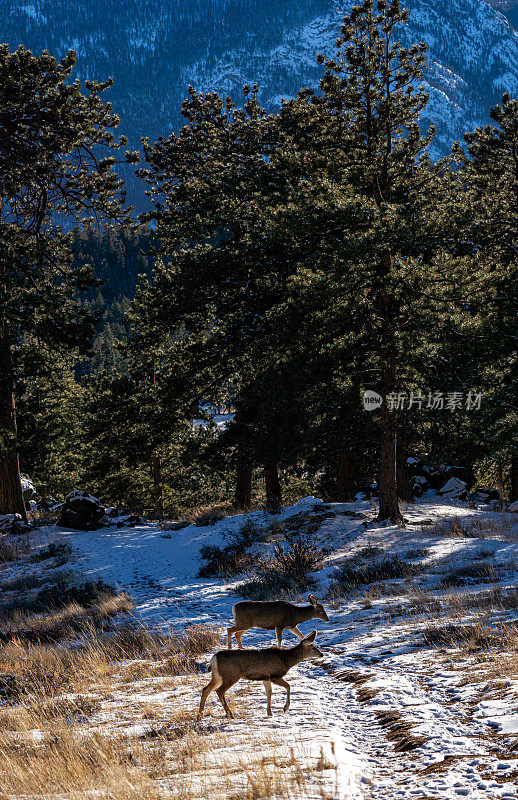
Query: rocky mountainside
x,y
155,48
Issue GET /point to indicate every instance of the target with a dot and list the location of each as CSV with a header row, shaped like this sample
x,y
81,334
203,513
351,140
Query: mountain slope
x,y
155,49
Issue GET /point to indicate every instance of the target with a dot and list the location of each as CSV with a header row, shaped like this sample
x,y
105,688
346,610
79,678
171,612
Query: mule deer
x,y
273,614
269,666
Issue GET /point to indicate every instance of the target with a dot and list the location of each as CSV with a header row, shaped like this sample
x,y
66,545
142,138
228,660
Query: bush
x,y
231,560
486,572
62,594
61,550
359,571
285,572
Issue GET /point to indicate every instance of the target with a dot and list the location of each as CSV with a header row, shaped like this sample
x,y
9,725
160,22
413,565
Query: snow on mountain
x,y
154,50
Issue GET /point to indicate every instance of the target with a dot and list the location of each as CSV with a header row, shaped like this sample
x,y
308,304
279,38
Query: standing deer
x,y
269,666
274,614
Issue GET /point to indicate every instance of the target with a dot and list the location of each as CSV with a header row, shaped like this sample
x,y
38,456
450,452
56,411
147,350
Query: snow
x,y
450,713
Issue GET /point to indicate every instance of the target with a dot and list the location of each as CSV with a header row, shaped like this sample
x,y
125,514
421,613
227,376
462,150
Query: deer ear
x,y
312,599
310,638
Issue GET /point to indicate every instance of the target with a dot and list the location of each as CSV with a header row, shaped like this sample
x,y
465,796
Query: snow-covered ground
x,y
387,713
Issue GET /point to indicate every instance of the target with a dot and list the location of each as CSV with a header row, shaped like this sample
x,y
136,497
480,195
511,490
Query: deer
x,y
269,665
273,614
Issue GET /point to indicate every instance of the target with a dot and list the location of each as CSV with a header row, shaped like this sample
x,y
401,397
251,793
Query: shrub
x,y
226,562
487,572
285,572
358,571
61,550
62,594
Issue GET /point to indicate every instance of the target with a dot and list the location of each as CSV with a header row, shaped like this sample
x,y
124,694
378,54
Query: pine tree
x,y
383,215
51,142
490,177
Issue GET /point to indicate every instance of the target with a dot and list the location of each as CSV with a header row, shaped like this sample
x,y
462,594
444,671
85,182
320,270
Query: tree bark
x,y
243,494
158,487
514,478
11,495
273,487
346,477
388,483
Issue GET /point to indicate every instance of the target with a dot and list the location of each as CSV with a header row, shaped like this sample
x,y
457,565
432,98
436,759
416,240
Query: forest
x,y
217,348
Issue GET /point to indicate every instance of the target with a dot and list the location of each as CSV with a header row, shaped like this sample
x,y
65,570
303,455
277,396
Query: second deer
x,y
269,665
273,615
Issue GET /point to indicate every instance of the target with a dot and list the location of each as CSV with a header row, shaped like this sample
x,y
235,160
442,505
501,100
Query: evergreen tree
x,y
51,142
490,178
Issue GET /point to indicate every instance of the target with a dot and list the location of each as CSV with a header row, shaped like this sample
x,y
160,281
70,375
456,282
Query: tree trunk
x,y
11,495
346,477
500,481
273,488
158,488
388,483
243,495
514,478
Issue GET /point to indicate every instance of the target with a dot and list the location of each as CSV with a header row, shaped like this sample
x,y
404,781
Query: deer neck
x,y
306,612
295,655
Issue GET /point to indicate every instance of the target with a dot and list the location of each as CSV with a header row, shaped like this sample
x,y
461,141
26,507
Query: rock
x,y
436,477
308,501
27,488
419,485
454,489
13,524
82,511
513,507
174,526
46,503
465,474
486,495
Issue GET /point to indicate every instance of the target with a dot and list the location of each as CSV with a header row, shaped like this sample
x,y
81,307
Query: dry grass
x,y
499,527
61,623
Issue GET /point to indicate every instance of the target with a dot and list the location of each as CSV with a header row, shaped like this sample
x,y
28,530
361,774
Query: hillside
x,y
415,695
162,48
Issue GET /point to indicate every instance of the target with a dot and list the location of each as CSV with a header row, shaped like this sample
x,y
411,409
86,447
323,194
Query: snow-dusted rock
x,y
513,507
81,511
419,485
27,487
13,523
309,501
454,489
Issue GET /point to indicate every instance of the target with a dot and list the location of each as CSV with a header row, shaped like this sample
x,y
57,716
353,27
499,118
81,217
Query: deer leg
x,y
279,631
268,690
296,631
210,687
230,631
221,694
285,685
238,638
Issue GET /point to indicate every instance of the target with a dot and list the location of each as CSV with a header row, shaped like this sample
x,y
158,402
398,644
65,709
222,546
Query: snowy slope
x,y
394,716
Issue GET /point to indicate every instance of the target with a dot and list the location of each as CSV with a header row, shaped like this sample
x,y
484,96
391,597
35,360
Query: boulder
x,y
82,511
13,524
513,507
465,474
419,485
486,494
453,489
27,488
